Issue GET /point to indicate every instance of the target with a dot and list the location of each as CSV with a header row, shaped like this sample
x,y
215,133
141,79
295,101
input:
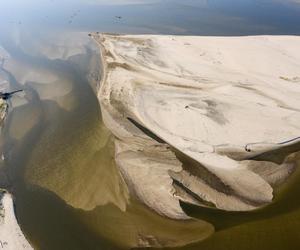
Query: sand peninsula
x,y
211,121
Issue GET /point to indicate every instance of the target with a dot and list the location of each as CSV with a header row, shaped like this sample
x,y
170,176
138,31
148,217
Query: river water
x,y
57,156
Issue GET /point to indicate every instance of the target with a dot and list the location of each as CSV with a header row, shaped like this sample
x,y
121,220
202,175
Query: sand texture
x,y
192,115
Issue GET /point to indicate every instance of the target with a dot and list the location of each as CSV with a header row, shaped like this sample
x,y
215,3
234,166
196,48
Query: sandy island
x,y
194,117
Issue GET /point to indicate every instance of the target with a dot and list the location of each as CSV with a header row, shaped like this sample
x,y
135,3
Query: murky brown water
x,y
59,155
59,165
59,160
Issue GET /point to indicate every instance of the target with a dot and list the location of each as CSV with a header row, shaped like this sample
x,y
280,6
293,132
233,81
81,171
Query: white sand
x,y
218,100
11,236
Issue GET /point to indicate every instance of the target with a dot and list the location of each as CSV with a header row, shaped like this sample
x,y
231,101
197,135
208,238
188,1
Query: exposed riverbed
x,y
58,156
59,166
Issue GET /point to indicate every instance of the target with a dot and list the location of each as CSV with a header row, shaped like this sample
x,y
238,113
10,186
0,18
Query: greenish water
x,y
58,154
59,165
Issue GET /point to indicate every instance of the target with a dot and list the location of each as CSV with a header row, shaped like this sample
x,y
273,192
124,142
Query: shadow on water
x,y
44,217
57,152
51,224
42,128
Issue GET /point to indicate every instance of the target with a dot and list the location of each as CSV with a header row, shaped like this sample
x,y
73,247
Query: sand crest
x,y
190,114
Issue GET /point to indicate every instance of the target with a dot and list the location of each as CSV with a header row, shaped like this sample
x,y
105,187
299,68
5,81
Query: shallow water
x,y
57,150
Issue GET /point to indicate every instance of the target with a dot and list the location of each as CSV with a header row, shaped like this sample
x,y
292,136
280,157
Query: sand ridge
x,y
219,102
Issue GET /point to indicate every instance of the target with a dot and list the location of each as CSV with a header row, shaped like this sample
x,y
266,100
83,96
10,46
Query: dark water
x,y
56,148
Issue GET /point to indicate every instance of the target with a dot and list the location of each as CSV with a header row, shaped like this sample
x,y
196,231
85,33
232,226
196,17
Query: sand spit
x,y
190,114
11,236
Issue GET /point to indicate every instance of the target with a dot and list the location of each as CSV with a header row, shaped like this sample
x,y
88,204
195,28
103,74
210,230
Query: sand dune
x,y
190,114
